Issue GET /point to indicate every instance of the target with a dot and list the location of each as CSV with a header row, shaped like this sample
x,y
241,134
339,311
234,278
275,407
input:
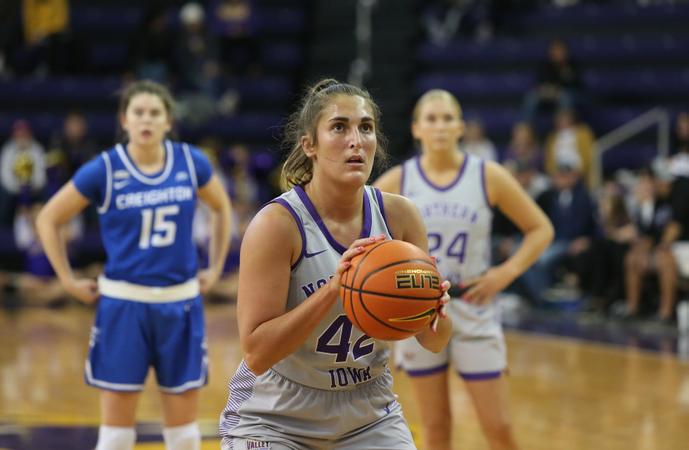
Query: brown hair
x,y
145,87
148,87
435,94
298,168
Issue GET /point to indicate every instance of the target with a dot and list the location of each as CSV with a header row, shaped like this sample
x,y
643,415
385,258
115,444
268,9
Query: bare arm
x,y
213,194
267,331
506,193
407,225
390,181
63,207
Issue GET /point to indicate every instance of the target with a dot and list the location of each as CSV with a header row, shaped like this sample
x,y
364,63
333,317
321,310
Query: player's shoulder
x,y
390,180
272,228
397,206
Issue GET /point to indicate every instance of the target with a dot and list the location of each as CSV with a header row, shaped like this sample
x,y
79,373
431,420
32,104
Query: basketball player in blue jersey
x,y
309,379
456,194
150,312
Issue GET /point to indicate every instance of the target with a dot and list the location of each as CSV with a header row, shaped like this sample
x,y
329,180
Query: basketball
x,y
391,291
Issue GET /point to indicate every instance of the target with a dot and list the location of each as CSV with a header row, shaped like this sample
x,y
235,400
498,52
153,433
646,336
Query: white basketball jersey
x,y
337,355
458,217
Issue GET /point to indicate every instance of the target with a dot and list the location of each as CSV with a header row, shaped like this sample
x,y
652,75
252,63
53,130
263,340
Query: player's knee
x,y
115,438
183,437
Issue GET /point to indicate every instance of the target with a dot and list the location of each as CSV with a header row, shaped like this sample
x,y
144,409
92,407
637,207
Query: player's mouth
x,y
146,133
356,161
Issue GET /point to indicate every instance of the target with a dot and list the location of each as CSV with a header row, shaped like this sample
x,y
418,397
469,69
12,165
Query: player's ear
x,y
415,131
307,146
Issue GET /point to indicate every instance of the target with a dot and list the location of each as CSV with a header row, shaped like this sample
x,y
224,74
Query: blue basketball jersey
x,y
146,220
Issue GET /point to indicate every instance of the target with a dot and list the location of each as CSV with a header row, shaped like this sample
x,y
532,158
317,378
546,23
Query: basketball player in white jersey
x,y
309,378
150,311
456,194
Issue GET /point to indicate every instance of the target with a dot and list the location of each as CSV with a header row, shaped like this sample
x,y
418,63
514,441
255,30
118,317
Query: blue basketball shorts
x,y
128,337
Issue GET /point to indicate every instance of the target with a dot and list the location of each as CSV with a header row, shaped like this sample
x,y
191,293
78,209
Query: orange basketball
x,y
391,291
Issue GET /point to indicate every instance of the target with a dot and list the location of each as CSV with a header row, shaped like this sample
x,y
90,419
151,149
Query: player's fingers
x,y
434,324
445,286
352,252
472,294
368,241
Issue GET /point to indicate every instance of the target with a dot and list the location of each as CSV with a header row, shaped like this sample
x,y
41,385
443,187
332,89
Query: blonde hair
x,y
298,168
436,94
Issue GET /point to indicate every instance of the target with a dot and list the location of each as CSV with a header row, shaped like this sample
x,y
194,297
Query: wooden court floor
x,y
566,394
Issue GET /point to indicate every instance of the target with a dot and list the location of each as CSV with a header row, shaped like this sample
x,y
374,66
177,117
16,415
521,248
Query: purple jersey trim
x,y
365,230
484,187
426,372
379,196
284,203
480,375
460,172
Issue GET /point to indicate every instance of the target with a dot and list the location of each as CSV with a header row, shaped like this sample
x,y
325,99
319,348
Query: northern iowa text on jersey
x,y
154,197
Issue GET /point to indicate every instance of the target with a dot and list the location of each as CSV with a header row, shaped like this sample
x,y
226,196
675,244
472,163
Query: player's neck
x,y
442,161
334,202
148,159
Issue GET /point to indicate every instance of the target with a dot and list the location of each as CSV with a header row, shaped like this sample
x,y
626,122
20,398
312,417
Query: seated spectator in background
x,y
22,169
570,208
69,149
603,272
558,82
523,146
38,285
476,143
570,137
234,22
679,163
151,54
532,180
652,214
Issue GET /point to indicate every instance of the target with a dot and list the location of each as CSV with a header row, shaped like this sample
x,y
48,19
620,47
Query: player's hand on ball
x,y
442,305
83,289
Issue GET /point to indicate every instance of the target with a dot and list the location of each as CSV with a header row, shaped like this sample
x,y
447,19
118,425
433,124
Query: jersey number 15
x,y
157,230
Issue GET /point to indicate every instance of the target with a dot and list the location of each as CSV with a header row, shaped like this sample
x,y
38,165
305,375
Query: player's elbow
x,y
256,365
548,232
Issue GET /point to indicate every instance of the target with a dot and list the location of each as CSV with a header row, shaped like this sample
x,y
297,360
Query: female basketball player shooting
x,y
456,193
309,379
149,312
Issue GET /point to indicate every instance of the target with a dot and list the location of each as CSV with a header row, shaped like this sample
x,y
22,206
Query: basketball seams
x,y
383,294
351,291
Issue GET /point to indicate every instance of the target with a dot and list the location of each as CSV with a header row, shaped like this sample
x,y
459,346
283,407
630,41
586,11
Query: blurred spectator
x,y
196,52
558,82
69,149
652,214
235,23
571,210
570,137
196,62
151,54
22,169
445,19
679,164
532,180
476,143
603,272
523,146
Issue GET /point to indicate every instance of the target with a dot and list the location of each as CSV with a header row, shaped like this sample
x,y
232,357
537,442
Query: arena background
x,y
584,375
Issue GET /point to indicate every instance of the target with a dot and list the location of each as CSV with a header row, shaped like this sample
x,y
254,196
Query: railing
x,y
360,68
656,116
